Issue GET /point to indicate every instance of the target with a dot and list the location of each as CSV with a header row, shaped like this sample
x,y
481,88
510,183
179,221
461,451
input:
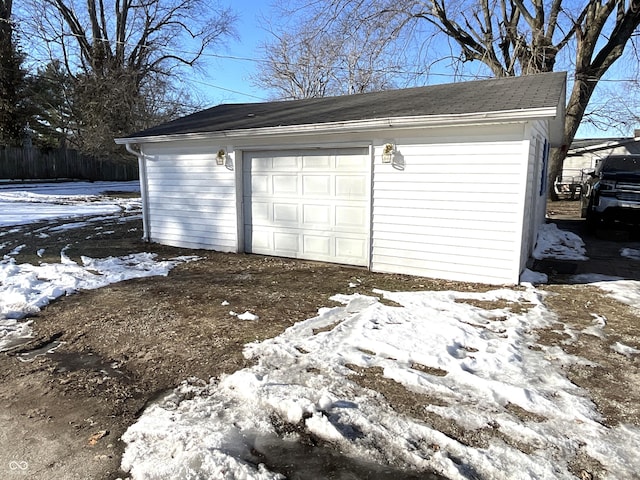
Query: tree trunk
x,y
6,28
583,88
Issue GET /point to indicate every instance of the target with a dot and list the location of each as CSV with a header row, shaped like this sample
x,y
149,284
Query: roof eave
x,y
606,144
361,125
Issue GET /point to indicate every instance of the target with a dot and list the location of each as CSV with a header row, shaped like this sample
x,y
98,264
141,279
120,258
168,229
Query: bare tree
x,y
514,37
518,38
295,68
125,55
616,108
316,58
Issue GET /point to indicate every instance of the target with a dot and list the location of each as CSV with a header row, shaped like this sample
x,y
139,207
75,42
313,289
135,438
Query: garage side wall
x,y
191,201
451,207
536,188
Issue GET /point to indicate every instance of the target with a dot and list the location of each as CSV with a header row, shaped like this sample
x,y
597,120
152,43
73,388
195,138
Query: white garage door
x,y
311,204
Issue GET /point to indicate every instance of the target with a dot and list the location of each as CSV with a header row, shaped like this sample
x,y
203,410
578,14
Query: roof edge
x,y
606,144
357,125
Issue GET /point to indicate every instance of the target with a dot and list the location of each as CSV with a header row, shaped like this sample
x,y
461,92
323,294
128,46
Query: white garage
x,y
445,181
308,204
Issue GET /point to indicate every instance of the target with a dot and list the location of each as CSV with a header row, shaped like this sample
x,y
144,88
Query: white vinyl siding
x,y
192,201
450,210
457,203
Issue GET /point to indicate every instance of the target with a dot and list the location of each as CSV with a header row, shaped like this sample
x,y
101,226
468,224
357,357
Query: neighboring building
x,y
443,181
584,155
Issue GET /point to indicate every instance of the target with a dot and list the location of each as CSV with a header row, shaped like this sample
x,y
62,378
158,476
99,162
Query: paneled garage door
x,y
311,204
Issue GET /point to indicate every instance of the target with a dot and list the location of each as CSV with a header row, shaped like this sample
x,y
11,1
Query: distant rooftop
x,y
581,145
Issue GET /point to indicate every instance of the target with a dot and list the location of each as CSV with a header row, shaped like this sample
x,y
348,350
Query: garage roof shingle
x,y
495,95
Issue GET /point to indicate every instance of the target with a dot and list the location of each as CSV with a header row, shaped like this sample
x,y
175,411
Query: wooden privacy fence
x,y
34,164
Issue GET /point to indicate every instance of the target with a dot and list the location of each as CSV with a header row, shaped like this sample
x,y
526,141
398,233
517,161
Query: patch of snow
x,y
224,303
15,251
21,204
558,244
10,231
624,291
631,253
597,327
39,352
244,316
248,316
625,350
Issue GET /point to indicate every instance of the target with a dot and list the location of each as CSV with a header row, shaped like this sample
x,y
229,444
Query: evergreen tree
x,y
49,105
12,81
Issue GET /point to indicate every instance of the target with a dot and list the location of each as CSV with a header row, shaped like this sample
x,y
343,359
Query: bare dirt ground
x,y
62,414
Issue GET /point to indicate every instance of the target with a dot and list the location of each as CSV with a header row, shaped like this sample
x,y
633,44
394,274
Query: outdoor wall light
x,y
220,157
387,152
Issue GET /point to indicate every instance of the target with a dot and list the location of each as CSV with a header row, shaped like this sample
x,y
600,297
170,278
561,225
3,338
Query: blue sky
x,y
226,77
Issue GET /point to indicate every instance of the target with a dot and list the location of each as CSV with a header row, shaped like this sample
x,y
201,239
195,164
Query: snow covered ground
x,y
26,288
555,243
304,377
28,203
470,351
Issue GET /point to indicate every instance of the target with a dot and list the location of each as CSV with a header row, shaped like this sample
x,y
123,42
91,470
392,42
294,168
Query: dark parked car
x,y
612,192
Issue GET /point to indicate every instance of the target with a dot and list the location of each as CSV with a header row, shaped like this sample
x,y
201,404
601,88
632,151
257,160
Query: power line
x,y
228,90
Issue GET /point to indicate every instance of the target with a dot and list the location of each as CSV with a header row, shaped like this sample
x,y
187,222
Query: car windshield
x,y
620,165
